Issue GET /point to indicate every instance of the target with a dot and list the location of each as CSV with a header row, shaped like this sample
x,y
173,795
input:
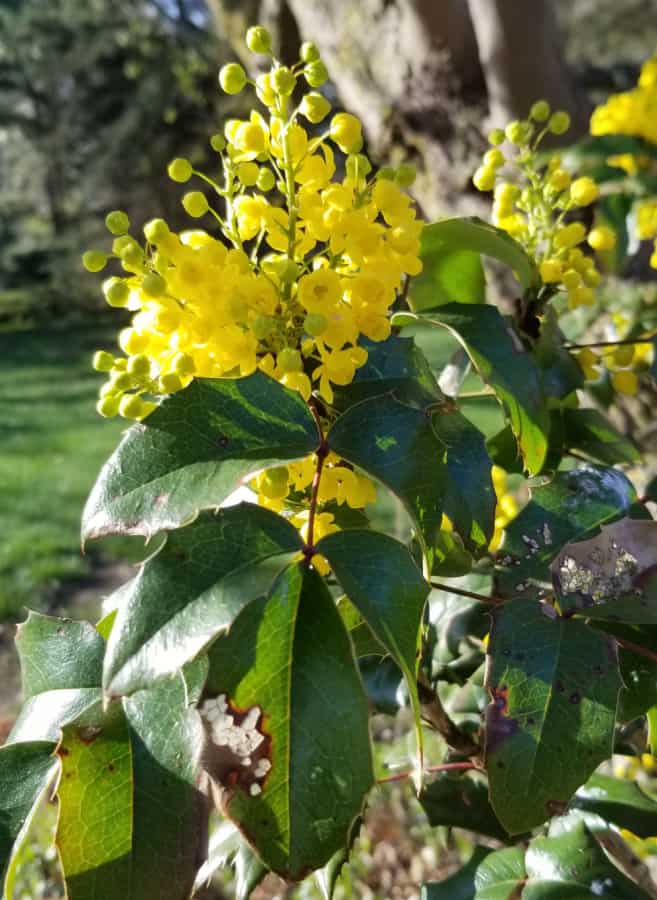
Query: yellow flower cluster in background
x,y
532,200
304,264
632,112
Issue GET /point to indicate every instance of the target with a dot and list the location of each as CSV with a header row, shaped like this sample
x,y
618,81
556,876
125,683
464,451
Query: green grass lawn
x,y
52,443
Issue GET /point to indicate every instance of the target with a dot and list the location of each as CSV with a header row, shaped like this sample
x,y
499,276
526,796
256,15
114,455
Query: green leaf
x,y
567,508
132,821
573,866
589,431
362,638
461,802
456,244
500,876
456,627
384,683
95,802
620,802
611,576
56,654
397,445
26,771
327,878
192,589
192,453
61,665
450,271
290,656
396,365
554,684
380,577
470,497
501,360
461,885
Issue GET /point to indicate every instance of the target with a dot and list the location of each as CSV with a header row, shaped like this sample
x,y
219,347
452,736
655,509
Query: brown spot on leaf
x,y
556,807
499,725
160,500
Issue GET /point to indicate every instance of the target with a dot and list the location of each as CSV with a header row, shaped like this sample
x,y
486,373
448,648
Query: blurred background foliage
x,y
95,98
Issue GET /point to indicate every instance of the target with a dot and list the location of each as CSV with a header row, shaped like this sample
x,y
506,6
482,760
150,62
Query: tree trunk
x,y
521,53
419,74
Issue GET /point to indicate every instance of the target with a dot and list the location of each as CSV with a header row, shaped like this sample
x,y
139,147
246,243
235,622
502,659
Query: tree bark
x,y
521,53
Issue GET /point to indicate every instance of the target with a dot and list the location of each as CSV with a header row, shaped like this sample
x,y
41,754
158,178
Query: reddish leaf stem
x,y
495,601
636,648
444,767
322,453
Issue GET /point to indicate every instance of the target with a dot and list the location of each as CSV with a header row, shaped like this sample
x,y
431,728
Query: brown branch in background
x,y
483,598
636,648
434,713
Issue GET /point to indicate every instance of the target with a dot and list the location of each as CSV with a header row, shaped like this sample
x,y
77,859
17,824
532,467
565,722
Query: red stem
x,y
444,767
495,601
636,648
322,453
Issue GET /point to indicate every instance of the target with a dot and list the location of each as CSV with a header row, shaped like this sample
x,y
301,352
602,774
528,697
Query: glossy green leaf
x,y
461,885
470,497
456,243
397,445
620,802
394,366
589,431
554,684
132,823
460,801
380,577
327,878
193,589
501,875
58,653
567,508
26,771
61,666
362,637
289,654
192,453
573,866
451,272
501,361
95,809
639,674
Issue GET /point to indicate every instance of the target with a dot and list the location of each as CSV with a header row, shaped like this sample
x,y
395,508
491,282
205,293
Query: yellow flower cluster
x,y
532,202
302,264
285,287
632,112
